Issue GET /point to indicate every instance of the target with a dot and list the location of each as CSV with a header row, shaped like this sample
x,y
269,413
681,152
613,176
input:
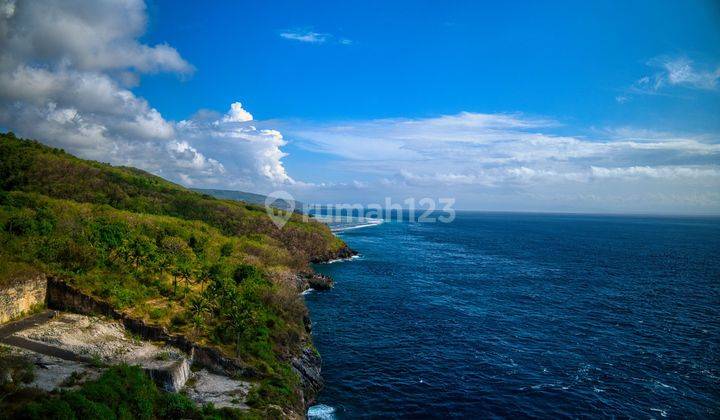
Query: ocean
x,y
523,315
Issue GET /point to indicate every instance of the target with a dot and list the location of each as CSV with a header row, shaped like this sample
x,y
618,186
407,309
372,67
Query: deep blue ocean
x,y
517,315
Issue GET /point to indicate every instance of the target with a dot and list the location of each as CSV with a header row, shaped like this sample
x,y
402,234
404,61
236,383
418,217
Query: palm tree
x,y
199,308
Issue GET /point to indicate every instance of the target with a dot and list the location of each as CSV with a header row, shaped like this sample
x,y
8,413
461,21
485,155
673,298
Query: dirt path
x,y
25,323
7,331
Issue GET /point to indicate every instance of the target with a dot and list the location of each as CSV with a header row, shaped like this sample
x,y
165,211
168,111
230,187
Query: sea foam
x,y
321,412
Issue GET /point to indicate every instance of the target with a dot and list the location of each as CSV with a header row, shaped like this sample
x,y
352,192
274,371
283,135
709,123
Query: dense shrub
x,y
122,392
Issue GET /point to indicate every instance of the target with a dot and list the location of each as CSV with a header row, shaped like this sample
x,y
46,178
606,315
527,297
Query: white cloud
x,y
237,114
484,157
253,156
675,72
305,36
312,37
683,72
65,68
666,172
87,36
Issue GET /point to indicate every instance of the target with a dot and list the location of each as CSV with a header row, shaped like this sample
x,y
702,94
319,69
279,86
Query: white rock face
x,y
21,297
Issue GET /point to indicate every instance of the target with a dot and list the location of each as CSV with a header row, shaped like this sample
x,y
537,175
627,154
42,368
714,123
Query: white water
x,y
321,412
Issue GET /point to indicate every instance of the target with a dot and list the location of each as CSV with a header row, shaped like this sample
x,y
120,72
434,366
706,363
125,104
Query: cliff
x,y
204,274
21,295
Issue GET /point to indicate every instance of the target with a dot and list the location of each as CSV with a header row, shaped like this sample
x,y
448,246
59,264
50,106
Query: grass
x,y
209,269
16,271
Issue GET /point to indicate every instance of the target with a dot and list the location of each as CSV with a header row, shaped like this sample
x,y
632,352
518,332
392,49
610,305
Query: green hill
x,y
218,271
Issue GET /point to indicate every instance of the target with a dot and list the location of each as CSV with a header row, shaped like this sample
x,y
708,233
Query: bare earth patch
x,y
205,387
99,338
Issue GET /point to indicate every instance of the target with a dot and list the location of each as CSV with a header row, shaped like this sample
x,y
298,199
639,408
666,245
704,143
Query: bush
x,y
21,223
246,271
175,406
122,392
77,257
226,249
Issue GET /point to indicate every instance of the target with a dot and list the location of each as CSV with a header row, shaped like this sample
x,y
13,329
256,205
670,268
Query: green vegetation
x,y
32,167
216,271
13,370
122,392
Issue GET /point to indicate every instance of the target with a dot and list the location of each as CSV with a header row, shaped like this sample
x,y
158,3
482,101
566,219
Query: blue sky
x,y
538,106
420,59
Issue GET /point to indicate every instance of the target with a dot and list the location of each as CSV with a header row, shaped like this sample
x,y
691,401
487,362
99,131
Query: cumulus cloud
x,y
65,71
98,35
237,114
254,155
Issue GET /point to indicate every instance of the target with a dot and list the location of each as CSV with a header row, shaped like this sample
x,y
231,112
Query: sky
x,y
593,106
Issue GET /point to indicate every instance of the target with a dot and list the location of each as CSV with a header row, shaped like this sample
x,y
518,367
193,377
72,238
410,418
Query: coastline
x,y
308,364
309,367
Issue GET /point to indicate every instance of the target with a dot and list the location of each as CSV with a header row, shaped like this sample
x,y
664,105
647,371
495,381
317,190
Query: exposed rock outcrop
x,y
313,281
171,378
221,391
320,282
344,252
93,340
308,365
21,296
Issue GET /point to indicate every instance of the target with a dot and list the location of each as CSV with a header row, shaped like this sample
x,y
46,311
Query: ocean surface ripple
x,y
512,315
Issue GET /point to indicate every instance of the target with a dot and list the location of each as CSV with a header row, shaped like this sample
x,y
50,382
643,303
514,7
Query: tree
x,y
209,272
184,271
180,256
199,309
141,251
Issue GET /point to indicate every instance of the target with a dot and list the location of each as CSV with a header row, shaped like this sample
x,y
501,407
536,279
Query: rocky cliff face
x,y
341,254
21,296
305,281
307,365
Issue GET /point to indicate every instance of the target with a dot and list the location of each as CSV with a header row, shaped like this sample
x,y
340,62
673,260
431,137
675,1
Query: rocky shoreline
x,y
343,253
308,365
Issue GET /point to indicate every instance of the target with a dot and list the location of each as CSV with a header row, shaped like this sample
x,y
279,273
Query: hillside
x,y
216,271
32,167
249,198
